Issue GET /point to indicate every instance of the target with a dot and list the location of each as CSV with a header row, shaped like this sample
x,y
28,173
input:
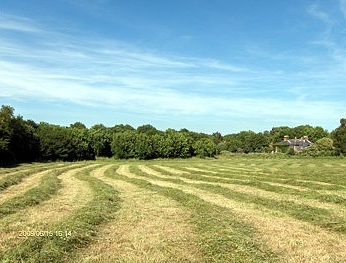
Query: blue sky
x,y
207,66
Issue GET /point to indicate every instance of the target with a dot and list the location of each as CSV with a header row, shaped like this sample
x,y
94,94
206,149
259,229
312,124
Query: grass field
x,y
238,209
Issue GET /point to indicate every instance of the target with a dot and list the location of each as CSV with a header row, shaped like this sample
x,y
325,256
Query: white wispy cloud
x,y
323,16
112,74
18,23
343,8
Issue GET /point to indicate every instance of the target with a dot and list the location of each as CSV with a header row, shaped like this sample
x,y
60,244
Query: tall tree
x,y
56,142
123,144
205,147
217,137
147,129
6,132
175,145
25,142
145,146
101,139
339,137
78,125
81,144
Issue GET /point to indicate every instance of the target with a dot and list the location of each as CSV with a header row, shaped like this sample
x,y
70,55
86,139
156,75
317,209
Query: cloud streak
x,y
343,8
17,23
103,73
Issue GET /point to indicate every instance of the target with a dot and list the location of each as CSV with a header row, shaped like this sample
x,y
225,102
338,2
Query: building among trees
x,y
297,145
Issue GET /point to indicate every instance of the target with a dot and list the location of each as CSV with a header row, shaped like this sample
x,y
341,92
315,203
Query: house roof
x,y
295,142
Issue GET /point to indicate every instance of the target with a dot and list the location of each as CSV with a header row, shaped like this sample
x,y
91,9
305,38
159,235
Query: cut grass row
x,y
276,194
319,216
148,227
311,190
71,195
299,179
230,225
32,180
48,186
314,242
221,236
15,178
81,227
24,167
319,171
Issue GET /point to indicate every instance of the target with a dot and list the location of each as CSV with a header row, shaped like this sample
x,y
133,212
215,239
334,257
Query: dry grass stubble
x,y
336,209
296,241
73,195
148,228
27,183
171,170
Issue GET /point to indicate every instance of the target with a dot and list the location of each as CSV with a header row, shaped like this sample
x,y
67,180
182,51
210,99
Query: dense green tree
x,y
233,143
257,142
56,142
122,128
147,129
205,147
25,142
19,141
66,144
101,139
81,145
247,139
217,137
78,125
322,147
339,137
146,146
314,133
278,133
6,131
175,144
123,144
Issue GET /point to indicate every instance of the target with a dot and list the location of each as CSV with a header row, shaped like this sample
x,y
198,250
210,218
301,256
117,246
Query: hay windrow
x,y
73,195
178,210
171,170
147,228
295,240
29,182
253,191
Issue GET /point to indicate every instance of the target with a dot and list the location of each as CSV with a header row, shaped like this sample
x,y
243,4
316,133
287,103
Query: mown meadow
x,y
234,209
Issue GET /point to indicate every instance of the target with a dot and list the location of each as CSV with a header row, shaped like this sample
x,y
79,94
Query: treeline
x,y
25,141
